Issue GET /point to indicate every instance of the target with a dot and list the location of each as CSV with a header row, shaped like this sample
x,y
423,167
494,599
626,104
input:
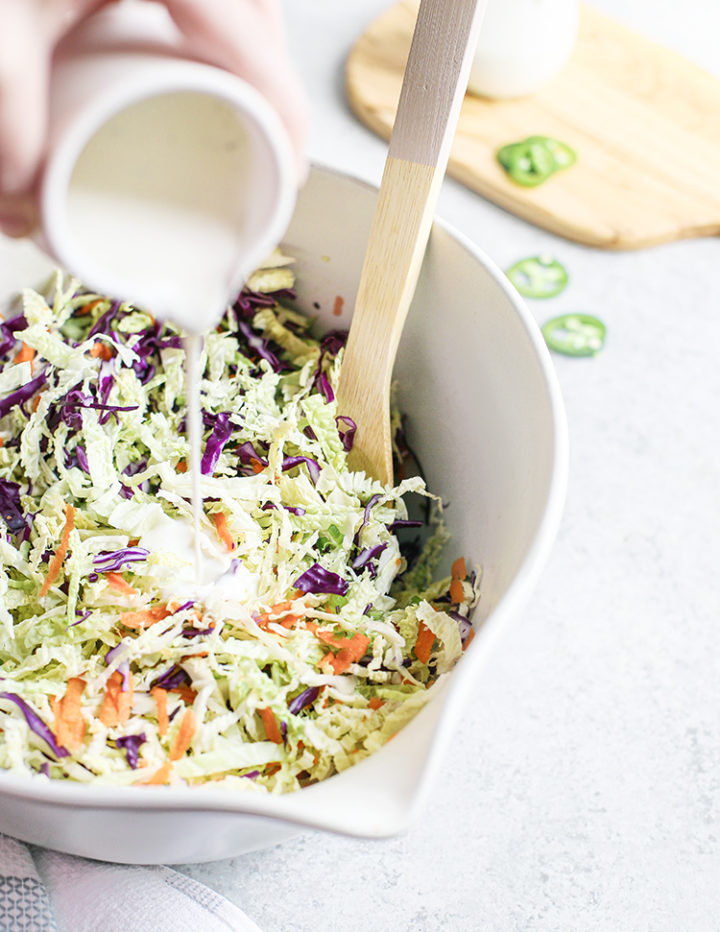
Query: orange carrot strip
x,y
87,308
424,643
159,777
101,350
181,466
223,530
69,722
458,569
115,581
25,354
272,768
456,591
375,703
184,736
160,697
185,693
272,732
468,639
2,442
143,618
36,402
257,466
116,704
57,560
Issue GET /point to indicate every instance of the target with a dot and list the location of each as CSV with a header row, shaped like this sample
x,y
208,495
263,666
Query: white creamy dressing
x,y
217,580
152,208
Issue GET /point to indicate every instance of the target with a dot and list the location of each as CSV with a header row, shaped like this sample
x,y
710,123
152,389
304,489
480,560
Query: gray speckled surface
x,y
582,790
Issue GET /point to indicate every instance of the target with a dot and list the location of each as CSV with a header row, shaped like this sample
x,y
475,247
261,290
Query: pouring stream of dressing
x,y
155,194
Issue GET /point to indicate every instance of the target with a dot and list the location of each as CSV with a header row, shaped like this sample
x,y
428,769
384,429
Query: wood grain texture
x,y
398,237
433,86
643,120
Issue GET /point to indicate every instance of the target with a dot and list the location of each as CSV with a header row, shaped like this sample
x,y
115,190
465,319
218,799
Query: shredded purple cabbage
x,y
102,324
189,604
10,507
348,434
318,580
22,394
247,453
172,678
463,623
324,387
396,525
366,514
220,435
362,560
260,346
293,509
131,745
37,725
313,466
110,561
305,698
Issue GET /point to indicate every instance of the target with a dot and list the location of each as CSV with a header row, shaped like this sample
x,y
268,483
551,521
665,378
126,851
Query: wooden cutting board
x,y
644,121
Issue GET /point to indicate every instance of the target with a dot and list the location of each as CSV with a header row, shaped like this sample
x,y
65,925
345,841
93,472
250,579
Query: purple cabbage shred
x,y
131,745
10,507
37,725
318,580
304,699
110,561
220,435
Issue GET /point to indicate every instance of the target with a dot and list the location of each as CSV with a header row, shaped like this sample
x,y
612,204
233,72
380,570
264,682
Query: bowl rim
x,y
289,807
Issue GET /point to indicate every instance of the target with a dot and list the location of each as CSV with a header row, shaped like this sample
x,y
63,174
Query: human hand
x,y
245,37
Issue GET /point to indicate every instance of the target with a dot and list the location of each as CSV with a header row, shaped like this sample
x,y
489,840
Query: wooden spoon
x,y
435,80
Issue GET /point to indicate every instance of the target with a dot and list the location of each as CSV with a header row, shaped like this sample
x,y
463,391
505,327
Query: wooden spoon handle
x,y
433,88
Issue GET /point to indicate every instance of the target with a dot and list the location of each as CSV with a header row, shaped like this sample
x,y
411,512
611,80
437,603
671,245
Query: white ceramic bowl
x,y
486,420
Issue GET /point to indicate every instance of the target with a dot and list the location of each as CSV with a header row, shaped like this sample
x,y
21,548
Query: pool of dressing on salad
x,y
153,197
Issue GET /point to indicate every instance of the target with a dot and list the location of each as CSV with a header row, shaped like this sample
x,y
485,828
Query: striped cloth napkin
x,y
44,891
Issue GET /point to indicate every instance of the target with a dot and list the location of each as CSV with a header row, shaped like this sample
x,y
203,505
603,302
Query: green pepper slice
x,y
527,163
538,277
575,334
533,160
561,152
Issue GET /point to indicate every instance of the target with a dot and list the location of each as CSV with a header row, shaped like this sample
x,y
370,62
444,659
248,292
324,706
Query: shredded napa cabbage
x,y
320,635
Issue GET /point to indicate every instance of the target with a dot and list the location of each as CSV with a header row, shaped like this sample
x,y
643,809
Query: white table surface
x,y
582,788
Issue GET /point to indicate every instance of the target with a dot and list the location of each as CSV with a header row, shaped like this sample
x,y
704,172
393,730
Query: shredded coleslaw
x,y
310,642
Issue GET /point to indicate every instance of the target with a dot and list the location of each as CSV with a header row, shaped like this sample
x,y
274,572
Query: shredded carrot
x,y
116,704
145,617
338,305
272,768
185,693
375,703
101,350
275,612
223,531
456,591
351,649
181,466
160,697
270,724
115,581
87,308
458,569
2,442
424,643
468,639
184,736
57,560
36,402
26,354
257,466
69,722
160,776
